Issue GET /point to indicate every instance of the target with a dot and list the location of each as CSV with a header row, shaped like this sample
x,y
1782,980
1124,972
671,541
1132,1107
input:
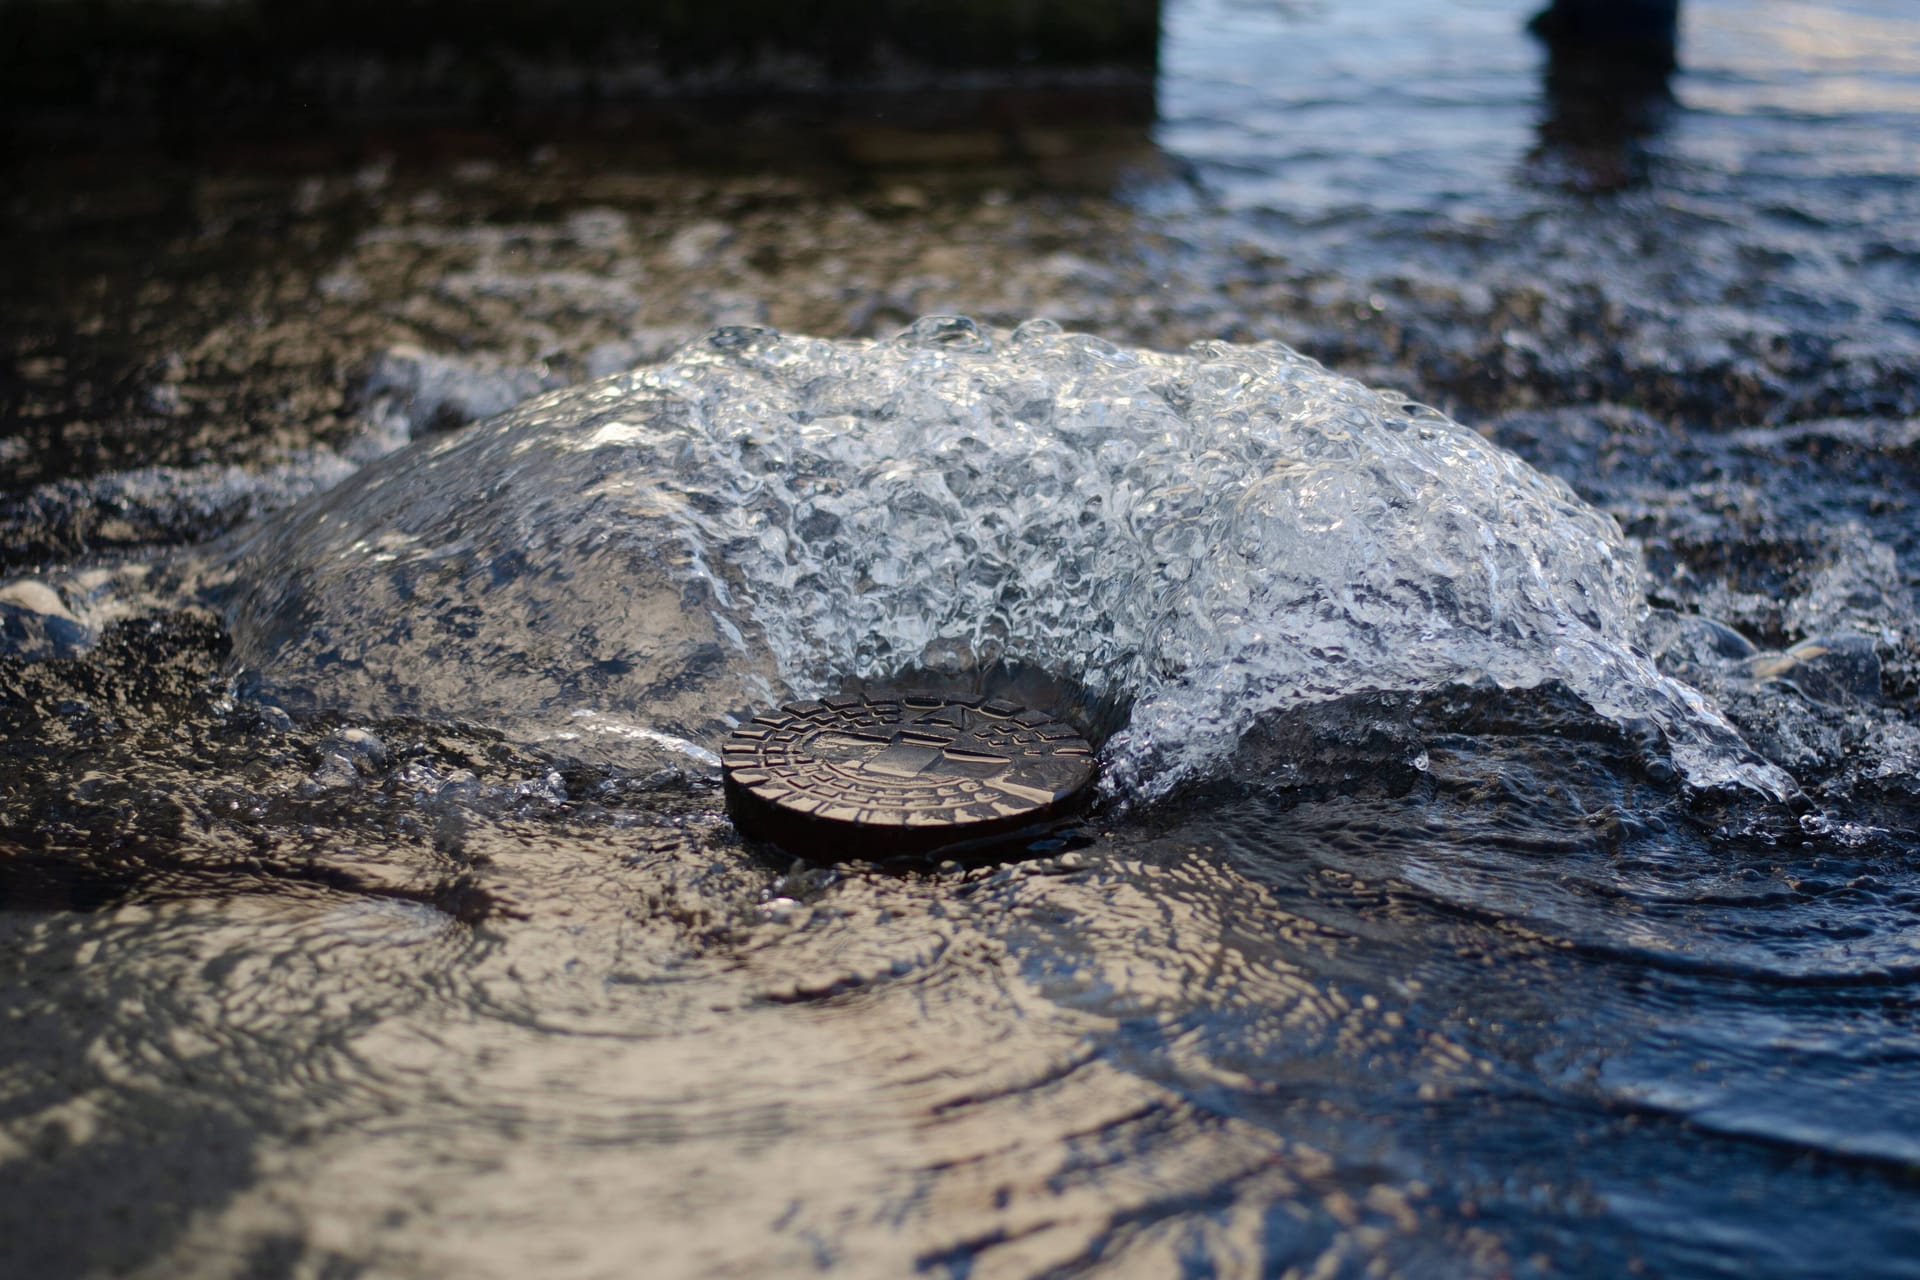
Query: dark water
x,y
1459,980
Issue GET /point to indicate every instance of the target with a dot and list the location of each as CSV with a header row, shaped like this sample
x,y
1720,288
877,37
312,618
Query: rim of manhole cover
x,y
887,774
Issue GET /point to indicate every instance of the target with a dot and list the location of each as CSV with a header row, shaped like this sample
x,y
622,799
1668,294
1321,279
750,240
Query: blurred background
x,y
223,220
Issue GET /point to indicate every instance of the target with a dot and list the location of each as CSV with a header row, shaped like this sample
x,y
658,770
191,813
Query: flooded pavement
x,y
1435,976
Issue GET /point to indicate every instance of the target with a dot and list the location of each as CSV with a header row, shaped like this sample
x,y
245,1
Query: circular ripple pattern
x,y
884,775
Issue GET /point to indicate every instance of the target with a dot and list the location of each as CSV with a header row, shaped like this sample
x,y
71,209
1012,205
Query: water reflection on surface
x,y
1805,59
280,1003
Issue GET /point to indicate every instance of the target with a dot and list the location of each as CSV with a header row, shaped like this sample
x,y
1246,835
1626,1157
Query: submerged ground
x,y
1460,984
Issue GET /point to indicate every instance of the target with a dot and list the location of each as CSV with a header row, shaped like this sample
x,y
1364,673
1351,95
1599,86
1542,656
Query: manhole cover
x,y
890,774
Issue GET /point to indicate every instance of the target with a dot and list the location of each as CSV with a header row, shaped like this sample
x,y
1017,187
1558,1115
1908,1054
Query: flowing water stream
x,y
1506,860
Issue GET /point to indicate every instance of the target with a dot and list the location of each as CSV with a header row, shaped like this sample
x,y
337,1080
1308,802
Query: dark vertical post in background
x,y
1607,84
1647,29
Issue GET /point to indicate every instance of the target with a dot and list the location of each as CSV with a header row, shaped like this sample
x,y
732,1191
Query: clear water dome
x,y
1206,538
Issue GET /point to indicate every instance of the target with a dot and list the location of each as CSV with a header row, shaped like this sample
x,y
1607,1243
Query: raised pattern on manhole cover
x,y
901,773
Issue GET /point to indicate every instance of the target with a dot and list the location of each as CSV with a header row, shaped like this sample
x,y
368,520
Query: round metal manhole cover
x,y
889,774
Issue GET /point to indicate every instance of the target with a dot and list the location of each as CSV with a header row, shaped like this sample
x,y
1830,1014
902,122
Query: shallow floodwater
x,y
1434,976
